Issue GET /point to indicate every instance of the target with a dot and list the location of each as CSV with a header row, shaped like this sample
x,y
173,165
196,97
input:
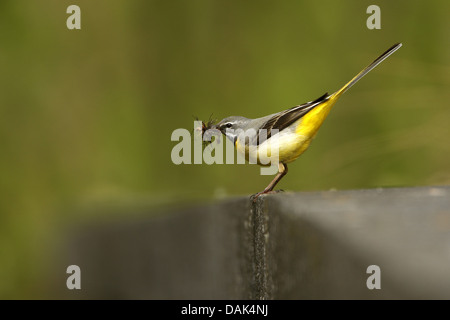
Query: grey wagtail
x,y
294,128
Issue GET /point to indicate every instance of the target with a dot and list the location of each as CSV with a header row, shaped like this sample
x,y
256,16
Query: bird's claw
x,y
255,196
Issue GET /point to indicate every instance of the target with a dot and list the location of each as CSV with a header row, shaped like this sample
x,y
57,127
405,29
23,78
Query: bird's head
x,y
231,126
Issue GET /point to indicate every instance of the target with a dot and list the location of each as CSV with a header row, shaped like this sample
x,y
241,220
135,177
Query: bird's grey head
x,y
231,126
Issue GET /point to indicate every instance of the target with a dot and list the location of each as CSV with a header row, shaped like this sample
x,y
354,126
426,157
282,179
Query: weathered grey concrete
x,y
321,243
309,245
191,253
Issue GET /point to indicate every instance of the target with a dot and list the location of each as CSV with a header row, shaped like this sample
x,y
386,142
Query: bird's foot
x,y
255,196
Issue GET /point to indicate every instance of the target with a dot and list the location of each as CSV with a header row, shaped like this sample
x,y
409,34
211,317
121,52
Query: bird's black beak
x,y
218,127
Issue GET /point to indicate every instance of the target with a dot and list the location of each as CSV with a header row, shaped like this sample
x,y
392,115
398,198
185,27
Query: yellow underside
x,y
292,143
306,129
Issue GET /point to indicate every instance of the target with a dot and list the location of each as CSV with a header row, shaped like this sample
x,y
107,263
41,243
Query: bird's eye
x,y
228,125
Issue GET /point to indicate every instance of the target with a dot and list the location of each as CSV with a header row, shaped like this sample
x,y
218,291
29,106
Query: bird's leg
x,y
282,170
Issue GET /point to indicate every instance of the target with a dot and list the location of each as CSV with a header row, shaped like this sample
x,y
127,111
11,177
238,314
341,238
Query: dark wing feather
x,y
284,119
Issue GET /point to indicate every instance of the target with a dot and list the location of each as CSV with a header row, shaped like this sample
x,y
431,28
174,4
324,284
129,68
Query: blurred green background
x,y
87,115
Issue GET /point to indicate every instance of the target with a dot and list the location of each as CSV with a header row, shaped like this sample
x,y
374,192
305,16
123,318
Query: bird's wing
x,y
285,118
